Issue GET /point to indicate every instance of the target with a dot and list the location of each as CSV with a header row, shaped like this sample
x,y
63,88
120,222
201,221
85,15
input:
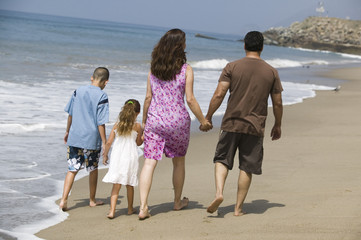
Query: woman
x,y
165,117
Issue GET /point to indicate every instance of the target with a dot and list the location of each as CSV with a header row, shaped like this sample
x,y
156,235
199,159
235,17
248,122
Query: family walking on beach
x,y
165,127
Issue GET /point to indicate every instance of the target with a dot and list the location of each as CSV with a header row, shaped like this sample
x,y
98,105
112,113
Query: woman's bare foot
x,y
215,204
96,203
143,214
182,204
63,205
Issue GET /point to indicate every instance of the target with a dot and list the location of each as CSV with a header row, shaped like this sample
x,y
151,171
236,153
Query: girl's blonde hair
x,y
127,115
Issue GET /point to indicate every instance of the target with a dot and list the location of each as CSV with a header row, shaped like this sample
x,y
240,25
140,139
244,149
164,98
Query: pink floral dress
x,y
168,123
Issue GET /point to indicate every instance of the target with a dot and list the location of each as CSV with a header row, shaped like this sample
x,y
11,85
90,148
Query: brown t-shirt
x,y
251,81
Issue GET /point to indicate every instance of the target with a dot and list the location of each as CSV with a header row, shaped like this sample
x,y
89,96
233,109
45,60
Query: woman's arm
x,y
192,101
147,101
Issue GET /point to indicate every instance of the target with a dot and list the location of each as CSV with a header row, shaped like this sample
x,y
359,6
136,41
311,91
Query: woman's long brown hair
x,y
126,118
168,55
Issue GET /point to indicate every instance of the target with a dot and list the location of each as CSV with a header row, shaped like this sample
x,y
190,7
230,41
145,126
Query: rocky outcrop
x,y
321,33
204,36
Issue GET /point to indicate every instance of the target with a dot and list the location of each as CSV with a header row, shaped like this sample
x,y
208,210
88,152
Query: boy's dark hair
x,y
101,73
253,41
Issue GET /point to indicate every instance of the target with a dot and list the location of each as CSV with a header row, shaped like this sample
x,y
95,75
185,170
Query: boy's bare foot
x,y
215,204
143,214
131,211
63,205
96,203
182,204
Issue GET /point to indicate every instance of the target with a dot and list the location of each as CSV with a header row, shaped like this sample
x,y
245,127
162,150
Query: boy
x,y
88,111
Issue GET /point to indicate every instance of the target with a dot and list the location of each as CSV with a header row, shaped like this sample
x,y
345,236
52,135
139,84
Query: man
x,y
250,81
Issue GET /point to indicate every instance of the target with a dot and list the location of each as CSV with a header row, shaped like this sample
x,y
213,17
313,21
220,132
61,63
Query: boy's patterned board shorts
x,y
78,157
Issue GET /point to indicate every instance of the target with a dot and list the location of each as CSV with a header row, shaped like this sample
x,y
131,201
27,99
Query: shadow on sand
x,y
255,207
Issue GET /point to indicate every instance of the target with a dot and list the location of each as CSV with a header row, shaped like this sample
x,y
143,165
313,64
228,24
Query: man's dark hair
x,y
253,41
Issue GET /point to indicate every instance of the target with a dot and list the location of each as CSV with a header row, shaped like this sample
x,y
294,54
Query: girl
x,y
123,168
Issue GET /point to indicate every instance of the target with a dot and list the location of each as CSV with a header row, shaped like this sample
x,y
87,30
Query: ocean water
x,y
44,58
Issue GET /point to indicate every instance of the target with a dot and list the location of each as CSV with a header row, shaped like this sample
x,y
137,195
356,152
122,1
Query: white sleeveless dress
x,y
123,161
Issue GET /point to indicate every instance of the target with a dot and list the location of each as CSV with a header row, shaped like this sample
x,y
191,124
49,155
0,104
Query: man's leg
x,y
178,182
244,182
68,184
221,173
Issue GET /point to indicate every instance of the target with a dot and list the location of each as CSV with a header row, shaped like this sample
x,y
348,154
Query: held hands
x,y
105,156
105,159
206,126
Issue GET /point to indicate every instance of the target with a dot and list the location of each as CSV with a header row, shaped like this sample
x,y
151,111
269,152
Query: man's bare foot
x,y
143,214
63,205
215,204
96,203
239,213
182,204
131,211
110,215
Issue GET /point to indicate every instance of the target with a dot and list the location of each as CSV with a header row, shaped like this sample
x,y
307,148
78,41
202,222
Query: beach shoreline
x,y
309,188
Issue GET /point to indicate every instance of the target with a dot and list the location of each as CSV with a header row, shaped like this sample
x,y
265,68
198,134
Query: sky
x,y
213,16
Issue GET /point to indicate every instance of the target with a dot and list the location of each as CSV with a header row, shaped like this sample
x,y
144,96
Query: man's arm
x,y
217,99
277,112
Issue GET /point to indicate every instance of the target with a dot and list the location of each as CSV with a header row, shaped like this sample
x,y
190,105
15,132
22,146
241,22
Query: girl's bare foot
x,y
215,204
63,205
143,214
96,203
182,204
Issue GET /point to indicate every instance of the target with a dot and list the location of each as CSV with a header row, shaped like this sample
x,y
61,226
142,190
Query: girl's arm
x,y
192,101
147,101
139,129
108,145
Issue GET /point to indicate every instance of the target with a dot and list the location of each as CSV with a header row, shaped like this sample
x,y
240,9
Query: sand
x,y
310,187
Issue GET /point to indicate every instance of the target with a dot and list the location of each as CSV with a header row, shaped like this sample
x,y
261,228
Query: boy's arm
x,y
68,125
108,145
101,129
